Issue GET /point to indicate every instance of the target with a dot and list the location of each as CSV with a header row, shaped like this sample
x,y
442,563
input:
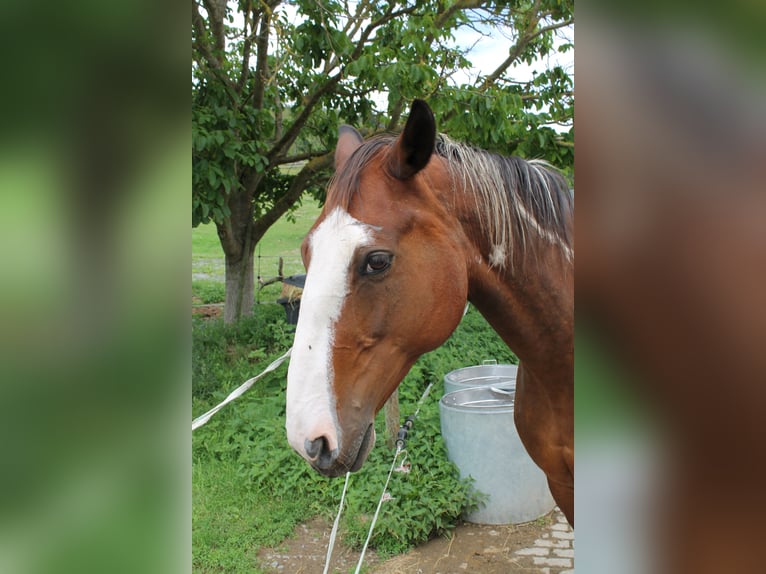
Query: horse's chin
x,y
368,441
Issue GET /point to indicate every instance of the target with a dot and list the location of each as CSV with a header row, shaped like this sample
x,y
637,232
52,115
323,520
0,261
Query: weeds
x,y
208,291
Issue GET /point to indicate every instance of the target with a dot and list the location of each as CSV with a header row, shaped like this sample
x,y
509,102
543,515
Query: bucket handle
x,y
502,391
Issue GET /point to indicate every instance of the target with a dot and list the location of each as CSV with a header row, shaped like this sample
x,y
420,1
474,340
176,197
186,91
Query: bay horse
x,y
414,226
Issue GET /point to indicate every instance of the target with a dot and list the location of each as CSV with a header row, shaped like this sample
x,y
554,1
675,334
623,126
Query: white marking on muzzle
x,y
311,410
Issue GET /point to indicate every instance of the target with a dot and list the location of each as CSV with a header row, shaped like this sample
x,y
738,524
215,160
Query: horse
x,y
414,226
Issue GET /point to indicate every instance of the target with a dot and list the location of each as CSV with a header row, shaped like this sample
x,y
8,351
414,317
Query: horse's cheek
x,y
442,315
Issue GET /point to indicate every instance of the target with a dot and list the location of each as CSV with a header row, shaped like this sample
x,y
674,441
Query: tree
x,y
272,80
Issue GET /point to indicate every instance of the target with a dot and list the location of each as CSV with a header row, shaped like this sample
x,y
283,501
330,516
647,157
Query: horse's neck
x,y
531,308
528,295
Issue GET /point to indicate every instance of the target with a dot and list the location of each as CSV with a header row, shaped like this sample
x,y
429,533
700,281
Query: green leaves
x,y
361,63
224,145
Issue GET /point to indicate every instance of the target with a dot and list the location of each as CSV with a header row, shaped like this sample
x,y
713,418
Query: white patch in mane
x,y
497,256
310,401
547,235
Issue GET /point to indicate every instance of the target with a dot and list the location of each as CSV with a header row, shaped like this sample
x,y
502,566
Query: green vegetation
x,y
232,521
208,291
250,489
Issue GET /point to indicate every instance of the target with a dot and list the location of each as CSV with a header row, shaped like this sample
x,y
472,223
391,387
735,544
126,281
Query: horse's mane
x,y
514,197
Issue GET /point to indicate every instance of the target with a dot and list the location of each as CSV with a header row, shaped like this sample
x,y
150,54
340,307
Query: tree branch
x,y
556,26
288,138
284,143
513,55
278,110
281,160
209,58
519,47
357,20
244,70
387,17
297,187
216,10
459,5
262,60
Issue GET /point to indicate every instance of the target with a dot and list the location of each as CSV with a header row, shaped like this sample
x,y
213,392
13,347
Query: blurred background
x,y
671,203
94,180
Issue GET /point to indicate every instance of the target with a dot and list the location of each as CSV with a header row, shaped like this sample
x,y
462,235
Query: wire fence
x,y
269,270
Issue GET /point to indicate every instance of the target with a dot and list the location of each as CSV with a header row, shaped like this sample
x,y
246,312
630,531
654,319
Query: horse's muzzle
x,y
332,463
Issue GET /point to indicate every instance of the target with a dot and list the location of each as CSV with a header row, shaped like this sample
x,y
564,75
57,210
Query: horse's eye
x,y
377,262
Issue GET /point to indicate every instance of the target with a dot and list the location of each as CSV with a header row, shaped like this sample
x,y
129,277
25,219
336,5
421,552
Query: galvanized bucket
x,y
481,438
489,374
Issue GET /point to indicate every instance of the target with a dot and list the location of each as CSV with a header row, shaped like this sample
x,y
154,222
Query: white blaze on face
x,y
310,400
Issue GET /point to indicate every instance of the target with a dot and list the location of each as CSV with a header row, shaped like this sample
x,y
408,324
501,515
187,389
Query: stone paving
x,y
553,552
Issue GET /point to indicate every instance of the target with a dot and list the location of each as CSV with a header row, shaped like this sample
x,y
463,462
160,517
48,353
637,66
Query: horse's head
x,y
386,282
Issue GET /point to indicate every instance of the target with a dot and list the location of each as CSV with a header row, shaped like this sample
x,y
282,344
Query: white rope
x,y
239,391
377,510
399,450
423,398
334,530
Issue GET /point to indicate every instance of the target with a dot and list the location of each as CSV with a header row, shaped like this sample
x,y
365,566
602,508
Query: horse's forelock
x,y
344,184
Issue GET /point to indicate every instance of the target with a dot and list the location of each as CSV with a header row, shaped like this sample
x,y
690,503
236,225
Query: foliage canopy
x,y
272,80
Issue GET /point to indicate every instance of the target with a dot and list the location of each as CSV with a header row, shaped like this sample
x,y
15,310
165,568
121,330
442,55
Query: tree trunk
x,y
240,233
240,285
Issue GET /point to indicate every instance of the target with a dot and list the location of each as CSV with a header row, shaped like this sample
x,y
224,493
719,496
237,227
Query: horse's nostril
x,y
315,447
319,454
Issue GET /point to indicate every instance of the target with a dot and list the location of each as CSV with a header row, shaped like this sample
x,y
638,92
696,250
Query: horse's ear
x,y
411,152
348,140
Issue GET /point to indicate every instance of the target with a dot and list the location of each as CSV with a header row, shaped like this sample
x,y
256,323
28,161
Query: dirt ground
x,y
208,311
468,548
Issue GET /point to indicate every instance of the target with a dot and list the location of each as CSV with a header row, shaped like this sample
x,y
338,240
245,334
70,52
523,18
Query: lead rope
x,y
401,439
334,531
377,510
239,391
400,443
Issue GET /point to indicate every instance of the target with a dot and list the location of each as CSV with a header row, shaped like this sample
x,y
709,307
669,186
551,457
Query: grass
x,y
232,521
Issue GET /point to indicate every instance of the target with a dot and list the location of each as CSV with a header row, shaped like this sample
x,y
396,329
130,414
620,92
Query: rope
x,y
239,391
423,398
334,531
400,444
377,510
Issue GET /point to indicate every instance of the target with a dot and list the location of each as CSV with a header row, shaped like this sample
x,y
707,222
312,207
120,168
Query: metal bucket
x,y
489,374
482,441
